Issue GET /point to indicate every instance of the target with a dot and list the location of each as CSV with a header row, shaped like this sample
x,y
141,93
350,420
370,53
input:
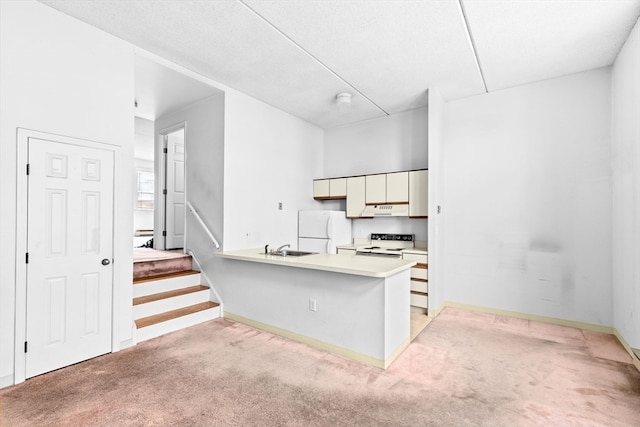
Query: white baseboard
x,y
321,345
6,381
126,344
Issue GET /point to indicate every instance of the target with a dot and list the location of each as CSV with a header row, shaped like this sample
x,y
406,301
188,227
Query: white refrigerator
x,y
322,231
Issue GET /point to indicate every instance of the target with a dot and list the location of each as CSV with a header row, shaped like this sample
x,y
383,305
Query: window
x,y
144,200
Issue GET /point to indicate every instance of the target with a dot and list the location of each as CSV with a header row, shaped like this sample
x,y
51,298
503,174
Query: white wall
x,y
626,190
436,194
270,157
527,199
204,142
392,143
60,76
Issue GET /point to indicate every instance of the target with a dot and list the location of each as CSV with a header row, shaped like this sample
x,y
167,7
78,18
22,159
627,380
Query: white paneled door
x,y
70,251
175,186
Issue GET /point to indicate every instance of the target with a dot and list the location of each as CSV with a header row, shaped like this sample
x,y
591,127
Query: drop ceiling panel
x,y
525,41
227,42
392,51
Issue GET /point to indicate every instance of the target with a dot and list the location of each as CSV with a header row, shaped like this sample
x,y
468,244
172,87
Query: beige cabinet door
x,y
376,189
418,193
398,187
338,188
355,196
321,189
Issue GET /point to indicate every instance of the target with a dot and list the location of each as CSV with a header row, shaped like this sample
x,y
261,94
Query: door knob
x,y
106,261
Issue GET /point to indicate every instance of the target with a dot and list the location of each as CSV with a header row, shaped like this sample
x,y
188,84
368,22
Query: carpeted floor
x,y
464,369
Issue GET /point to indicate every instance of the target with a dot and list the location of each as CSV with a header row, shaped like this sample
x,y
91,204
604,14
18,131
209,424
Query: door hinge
x,y
165,150
164,191
164,233
28,168
26,258
25,346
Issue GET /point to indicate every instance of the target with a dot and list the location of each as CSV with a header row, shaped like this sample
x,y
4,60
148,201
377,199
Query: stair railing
x,y
206,278
206,229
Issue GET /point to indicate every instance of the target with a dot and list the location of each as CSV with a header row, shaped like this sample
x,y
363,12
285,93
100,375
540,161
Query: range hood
x,y
385,210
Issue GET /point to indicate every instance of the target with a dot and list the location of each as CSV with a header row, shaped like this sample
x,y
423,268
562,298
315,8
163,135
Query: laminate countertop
x,y
345,264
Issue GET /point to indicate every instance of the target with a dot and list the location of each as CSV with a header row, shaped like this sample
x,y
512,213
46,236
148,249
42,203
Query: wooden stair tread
x,y
163,317
168,294
164,276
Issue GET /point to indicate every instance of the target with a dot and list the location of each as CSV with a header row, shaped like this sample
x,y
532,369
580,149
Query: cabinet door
x,y
338,188
418,193
355,196
321,189
376,189
398,187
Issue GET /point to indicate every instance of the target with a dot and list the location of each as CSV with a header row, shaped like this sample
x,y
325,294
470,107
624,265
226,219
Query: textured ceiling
x,y
297,55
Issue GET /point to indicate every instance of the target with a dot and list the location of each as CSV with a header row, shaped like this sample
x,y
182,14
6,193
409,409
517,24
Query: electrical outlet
x,y
312,304
279,206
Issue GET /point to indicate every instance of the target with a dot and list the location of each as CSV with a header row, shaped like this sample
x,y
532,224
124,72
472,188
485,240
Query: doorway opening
x,y
163,252
162,90
172,204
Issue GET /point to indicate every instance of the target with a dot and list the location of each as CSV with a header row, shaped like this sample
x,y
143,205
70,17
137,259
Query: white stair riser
x,y
173,325
164,285
169,304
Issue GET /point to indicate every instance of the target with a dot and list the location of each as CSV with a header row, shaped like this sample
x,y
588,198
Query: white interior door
x,y
175,189
70,249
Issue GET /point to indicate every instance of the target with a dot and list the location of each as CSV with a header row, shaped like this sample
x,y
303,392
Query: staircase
x,y
168,295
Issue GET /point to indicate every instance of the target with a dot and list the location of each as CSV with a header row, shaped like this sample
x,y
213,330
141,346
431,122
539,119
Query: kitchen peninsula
x,y
354,306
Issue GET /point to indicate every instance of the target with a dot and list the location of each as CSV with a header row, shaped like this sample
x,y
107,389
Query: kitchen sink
x,y
287,252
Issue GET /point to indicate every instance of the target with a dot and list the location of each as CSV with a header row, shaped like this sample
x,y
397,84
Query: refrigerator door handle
x,y
329,224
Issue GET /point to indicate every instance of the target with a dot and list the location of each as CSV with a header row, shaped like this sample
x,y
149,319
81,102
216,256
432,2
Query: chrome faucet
x,y
282,247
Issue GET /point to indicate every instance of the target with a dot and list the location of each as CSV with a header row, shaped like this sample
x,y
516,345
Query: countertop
x,y
346,264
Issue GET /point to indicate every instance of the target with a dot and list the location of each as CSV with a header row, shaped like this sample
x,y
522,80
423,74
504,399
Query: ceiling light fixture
x,y
343,100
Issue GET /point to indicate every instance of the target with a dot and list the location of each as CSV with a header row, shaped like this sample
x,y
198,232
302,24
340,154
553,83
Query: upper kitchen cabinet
x,y
393,188
329,189
376,189
387,188
398,187
418,193
355,196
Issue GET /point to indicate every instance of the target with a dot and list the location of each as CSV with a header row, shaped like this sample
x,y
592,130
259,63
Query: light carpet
x,y
464,369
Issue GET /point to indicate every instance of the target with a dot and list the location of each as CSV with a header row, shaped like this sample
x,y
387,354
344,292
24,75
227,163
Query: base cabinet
x,y
419,279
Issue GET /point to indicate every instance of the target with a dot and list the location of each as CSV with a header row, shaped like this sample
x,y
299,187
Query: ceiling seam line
x,y
312,56
473,44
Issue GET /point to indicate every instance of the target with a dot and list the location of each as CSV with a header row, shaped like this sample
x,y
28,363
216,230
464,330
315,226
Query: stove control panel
x,y
393,237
